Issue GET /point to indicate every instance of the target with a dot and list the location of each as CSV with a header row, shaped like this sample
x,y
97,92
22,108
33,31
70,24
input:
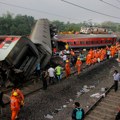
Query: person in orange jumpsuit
x,y
67,68
72,53
20,95
78,65
88,59
15,105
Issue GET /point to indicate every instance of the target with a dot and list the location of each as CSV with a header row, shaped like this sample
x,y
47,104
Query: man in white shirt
x,y
64,58
51,72
116,77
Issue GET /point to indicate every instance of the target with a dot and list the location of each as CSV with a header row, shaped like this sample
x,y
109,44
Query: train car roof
x,y
6,45
41,34
74,36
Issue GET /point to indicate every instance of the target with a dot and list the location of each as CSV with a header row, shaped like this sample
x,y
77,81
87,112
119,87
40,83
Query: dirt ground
x,y
45,102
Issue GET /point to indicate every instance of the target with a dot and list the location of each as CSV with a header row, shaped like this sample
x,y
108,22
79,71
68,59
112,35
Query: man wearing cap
x,y
15,105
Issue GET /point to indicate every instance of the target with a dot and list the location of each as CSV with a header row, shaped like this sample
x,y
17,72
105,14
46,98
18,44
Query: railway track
x,y
106,107
36,85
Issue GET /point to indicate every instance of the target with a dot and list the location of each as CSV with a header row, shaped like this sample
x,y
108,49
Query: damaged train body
x,y
19,55
41,38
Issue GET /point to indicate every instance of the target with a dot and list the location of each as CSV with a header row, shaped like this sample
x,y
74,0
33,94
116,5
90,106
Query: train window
x,y
77,42
96,42
93,42
70,43
87,42
82,42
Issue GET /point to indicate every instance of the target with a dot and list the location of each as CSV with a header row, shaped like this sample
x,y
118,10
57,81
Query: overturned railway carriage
x,y
20,55
18,52
41,38
85,41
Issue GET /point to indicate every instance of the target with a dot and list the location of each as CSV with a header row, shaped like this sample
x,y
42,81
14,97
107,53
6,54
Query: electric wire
x,y
90,9
118,1
39,11
110,4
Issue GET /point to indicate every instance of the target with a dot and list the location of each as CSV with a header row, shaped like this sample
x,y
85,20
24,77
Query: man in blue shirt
x,y
38,69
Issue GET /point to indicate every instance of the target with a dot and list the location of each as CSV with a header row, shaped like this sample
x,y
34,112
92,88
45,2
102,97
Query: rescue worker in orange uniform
x,y
15,105
20,95
88,59
78,65
67,68
72,53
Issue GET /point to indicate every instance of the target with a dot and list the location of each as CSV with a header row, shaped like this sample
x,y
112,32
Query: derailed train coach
x,y
40,36
19,55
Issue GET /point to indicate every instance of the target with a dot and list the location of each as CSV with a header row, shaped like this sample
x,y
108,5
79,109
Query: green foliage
x,y
20,25
23,24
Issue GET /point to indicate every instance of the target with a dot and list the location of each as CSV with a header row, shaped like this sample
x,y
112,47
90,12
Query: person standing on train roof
x,y
20,95
15,105
67,68
78,65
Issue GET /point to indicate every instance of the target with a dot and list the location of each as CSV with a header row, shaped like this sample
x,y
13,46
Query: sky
x,y
62,11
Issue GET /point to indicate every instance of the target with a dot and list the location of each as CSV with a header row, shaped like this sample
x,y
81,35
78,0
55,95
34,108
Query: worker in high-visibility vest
x,y
20,95
67,68
78,65
15,105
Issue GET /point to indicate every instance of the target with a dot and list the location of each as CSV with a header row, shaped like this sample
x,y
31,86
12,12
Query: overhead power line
x,y
118,1
110,4
90,9
39,11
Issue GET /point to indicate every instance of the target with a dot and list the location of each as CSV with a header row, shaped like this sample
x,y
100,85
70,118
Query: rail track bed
x,y
39,102
107,108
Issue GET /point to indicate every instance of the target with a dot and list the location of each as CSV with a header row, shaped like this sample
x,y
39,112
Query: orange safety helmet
x,y
67,60
78,58
15,94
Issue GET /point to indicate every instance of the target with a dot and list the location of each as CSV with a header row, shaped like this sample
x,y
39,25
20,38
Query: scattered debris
x,y
103,95
48,116
102,89
86,90
70,100
67,102
92,86
64,106
78,94
96,95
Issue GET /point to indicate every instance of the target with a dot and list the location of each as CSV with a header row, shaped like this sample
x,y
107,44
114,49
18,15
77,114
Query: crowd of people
x,y
55,74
